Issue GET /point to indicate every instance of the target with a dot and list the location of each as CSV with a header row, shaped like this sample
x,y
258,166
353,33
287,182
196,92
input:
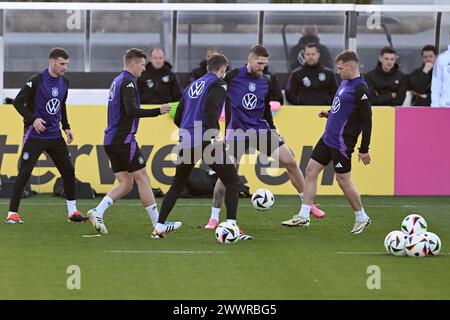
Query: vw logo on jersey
x,y
26,156
112,91
150,83
55,92
336,105
252,87
52,106
341,91
165,79
249,101
306,82
196,89
322,76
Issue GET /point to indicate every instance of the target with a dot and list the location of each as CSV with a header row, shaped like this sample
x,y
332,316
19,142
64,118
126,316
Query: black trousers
x,y
31,151
226,171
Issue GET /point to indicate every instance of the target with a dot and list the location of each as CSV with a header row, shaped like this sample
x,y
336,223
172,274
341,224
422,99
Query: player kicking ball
x,y
127,161
350,114
42,104
197,117
251,126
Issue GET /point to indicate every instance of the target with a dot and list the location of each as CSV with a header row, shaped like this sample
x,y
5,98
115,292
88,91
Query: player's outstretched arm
x,y
132,108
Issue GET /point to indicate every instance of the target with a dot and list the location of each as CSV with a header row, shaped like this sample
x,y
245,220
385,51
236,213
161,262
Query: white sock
x,y
304,211
103,205
71,206
232,221
215,212
160,227
153,213
301,196
361,215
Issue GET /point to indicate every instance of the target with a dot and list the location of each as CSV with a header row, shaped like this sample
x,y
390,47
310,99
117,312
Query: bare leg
x,y
313,170
287,160
145,190
353,197
123,188
219,194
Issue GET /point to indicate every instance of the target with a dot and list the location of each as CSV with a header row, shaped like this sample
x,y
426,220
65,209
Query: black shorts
x,y
323,154
56,148
125,157
265,142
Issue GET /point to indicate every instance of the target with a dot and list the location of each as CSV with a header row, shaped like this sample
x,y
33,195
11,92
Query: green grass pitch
x,y
321,262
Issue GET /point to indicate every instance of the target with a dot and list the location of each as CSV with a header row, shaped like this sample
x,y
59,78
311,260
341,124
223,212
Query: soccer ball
x,y
413,224
263,200
417,245
227,232
395,243
435,243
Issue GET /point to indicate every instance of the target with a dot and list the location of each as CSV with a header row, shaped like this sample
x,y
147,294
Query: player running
x,y
197,117
251,125
350,114
127,161
42,104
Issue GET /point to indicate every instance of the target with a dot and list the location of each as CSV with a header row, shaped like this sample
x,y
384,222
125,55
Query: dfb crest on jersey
x,y
336,105
341,91
249,101
322,76
252,87
141,160
149,83
165,79
112,91
26,156
55,92
52,106
196,89
306,82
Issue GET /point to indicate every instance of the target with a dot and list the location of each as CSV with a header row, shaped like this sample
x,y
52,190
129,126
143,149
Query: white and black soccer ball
x,y
395,242
414,224
227,232
417,245
263,199
435,243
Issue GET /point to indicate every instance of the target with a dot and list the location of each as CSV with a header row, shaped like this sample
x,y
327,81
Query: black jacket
x,y
311,85
325,55
383,84
420,82
275,89
159,86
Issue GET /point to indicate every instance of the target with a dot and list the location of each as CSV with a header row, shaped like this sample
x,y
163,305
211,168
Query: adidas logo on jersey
x,y
30,84
338,165
364,97
130,85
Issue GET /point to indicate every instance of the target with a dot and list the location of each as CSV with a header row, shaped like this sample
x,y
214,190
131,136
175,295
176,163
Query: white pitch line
x,y
249,205
374,253
360,253
166,251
